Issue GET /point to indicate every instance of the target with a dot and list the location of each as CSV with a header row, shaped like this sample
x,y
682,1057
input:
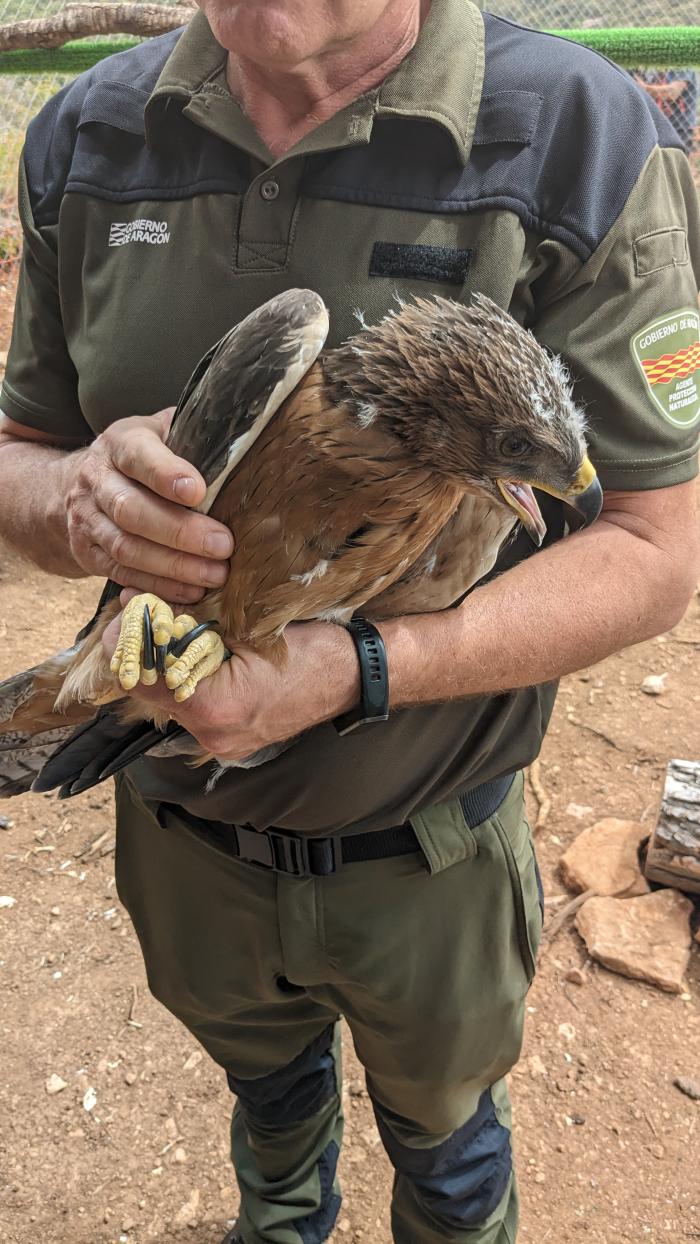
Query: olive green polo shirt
x,y
494,159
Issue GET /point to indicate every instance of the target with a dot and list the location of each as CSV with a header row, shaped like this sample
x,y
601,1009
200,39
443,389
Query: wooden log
x,y
77,21
673,857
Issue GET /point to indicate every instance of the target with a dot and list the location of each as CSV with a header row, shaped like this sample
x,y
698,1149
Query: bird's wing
x,y
326,511
243,380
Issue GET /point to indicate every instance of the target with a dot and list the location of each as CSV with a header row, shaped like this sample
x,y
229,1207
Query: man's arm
x,y
115,508
623,580
628,577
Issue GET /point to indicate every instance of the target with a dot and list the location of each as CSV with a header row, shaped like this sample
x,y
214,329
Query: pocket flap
x,y
444,836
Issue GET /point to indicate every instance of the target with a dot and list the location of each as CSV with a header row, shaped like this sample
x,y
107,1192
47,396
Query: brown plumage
x,y
383,476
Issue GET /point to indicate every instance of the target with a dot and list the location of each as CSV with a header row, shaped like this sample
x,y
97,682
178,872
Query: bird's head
x,y
477,399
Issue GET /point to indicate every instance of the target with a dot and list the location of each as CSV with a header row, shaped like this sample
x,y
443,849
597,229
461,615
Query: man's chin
x,y
271,33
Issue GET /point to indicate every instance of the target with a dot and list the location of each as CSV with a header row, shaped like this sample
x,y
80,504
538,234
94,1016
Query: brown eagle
x,y
381,476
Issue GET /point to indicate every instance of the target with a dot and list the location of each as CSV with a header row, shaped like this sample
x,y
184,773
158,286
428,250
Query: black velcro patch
x,y
448,264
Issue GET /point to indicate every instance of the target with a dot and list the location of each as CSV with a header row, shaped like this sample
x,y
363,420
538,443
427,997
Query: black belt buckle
x,y
289,854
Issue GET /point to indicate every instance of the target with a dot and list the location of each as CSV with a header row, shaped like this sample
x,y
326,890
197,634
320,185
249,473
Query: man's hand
x,y
250,703
126,518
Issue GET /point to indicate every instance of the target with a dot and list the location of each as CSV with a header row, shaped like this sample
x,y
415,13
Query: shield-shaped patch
x,y
667,353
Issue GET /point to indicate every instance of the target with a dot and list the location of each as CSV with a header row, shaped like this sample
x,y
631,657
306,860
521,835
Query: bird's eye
x,y
515,446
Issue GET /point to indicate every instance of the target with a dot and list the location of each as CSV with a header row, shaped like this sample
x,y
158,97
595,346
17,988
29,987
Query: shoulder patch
x,y
667,353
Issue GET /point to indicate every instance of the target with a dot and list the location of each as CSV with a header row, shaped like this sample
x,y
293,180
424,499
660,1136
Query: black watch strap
x,y
374,678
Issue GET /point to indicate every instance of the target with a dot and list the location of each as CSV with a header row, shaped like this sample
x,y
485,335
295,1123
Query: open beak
x,y
521,498
585,497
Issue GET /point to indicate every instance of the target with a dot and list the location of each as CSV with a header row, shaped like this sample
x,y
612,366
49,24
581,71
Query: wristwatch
x,y
374,678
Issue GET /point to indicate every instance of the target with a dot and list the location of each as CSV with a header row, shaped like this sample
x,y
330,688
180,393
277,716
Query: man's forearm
x,y
567,607
33,518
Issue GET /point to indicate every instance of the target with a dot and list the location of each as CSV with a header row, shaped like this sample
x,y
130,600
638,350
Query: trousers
x,y
427,956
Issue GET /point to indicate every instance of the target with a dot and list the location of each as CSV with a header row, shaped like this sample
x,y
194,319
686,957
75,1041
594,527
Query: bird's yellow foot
x,y
195,653
146,630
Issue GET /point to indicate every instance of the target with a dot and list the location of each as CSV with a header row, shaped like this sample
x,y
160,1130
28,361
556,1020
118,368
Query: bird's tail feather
x,y
30,729
41,707
98,750
22,756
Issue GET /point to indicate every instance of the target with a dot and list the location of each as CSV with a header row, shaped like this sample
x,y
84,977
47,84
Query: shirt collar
x,y
440,80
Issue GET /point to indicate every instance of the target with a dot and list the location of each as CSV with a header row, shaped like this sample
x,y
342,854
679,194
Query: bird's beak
x,y
585,496
521,498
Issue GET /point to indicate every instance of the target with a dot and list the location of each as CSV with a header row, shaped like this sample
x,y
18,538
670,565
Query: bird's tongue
x,y
523,501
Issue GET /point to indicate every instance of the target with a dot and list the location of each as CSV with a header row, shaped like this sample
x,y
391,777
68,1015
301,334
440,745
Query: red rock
x,y
647,938
604,858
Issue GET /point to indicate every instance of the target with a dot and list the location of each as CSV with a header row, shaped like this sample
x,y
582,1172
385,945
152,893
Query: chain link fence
x,y
21,96
675,90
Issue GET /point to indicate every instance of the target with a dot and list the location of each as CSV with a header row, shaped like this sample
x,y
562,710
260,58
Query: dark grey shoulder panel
x,y
127,78
561,138
90,139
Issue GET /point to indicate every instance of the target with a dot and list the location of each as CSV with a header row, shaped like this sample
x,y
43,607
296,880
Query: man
x,y
363,150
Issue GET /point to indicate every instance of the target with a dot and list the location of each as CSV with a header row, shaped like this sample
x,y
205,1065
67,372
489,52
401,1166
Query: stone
x,y
604,858
90,1099
575,976
193,1061
691,1088
186,1216
55,1084
654,684
647,938
578,810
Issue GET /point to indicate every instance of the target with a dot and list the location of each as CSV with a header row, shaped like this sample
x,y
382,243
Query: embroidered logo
x,y
154,232
667,353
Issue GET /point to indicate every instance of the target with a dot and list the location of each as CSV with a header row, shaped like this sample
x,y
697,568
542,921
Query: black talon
x,y
176,647
148,660
161,654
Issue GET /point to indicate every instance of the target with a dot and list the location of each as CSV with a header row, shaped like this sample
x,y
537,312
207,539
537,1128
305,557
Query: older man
x,y
362,149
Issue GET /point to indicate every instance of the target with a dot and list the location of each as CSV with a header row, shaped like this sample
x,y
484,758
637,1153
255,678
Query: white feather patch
x,y
319,569
309,351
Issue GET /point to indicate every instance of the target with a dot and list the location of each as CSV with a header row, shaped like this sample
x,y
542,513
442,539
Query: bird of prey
x,y
384,476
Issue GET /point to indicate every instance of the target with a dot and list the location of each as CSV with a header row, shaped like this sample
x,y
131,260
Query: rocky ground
x,y
114,1126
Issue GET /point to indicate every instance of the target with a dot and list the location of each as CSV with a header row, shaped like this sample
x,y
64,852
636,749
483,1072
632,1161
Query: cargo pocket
x,y
512,829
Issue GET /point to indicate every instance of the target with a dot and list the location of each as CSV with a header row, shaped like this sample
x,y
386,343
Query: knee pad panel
x,y
463,1179
293,1093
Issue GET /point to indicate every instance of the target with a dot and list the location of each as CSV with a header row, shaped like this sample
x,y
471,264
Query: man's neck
x,y
285,105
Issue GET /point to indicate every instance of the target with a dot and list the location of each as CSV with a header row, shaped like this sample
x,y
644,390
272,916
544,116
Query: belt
x,y
296,855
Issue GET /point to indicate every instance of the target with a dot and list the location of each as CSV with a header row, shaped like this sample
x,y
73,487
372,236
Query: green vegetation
x,y
71,59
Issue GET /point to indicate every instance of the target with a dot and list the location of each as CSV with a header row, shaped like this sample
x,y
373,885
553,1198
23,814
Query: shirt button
x,y
269,190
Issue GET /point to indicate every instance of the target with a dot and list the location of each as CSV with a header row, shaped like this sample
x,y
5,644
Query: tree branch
x,y
77,21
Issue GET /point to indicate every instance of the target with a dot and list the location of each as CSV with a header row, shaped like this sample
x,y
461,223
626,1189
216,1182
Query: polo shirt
x,y
494,159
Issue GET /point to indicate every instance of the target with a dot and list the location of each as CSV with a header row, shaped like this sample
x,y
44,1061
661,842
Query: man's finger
x,y
138,452
133,509
137,553
167,589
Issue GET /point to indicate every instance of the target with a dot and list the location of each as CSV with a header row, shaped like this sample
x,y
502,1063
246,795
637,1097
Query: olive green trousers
x,y
428,956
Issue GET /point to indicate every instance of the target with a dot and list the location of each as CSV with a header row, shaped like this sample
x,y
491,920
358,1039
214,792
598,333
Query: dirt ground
x,y
135,1146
